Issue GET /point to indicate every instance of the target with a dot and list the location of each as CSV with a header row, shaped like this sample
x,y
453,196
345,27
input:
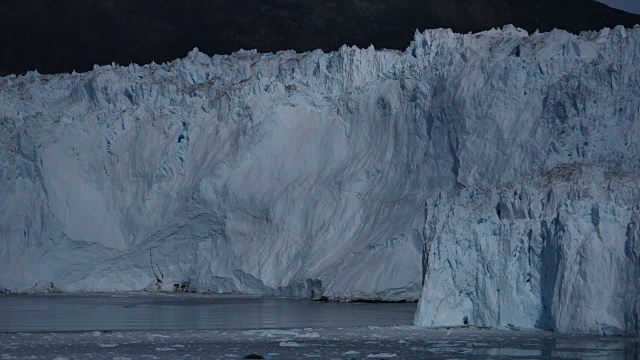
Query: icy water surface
x,y
362,343
38,313
188,326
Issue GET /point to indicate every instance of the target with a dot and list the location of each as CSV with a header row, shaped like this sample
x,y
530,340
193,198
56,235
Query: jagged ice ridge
x,y
308,174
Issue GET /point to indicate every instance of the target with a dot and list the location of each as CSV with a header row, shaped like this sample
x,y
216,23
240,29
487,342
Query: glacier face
x,y
558,252
305,174
554,244
249,173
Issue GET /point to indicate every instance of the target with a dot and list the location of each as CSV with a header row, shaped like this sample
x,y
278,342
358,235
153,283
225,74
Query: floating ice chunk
x,y
290,344
382,356
165,349
308,335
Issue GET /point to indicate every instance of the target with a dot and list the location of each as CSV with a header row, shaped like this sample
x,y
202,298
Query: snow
x,y
307,175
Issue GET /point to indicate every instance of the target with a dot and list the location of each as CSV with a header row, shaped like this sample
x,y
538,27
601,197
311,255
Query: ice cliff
x,y
543,231
559,252
307,175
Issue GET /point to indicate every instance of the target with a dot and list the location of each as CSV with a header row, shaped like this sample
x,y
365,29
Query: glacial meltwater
x,y
63,312
190,326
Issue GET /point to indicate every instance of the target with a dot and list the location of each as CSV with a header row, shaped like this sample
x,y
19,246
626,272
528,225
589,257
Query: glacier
x,y
446,172
557,252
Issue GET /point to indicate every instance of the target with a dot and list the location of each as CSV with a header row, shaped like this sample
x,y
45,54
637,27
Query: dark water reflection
x,y
27,313
364,331
564,347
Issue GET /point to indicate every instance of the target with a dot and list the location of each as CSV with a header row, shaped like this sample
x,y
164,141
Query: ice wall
x,y
556,246
287,174
559,252
294,174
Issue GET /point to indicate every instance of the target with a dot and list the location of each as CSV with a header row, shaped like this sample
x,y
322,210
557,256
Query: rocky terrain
x,y
67,35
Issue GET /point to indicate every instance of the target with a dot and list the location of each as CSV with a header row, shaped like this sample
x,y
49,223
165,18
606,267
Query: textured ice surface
x,y
560,252
543,231
298,174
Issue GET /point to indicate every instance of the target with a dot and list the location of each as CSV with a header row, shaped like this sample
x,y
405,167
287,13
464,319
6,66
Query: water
x,y
65,325
63,312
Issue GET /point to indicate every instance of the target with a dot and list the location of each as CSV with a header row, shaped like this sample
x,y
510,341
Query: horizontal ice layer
x,y
293,174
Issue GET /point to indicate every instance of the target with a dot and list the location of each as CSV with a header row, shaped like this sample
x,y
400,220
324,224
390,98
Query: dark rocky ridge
x,y
65,35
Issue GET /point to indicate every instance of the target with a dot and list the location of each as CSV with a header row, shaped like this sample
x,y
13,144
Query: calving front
x,y
307,175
